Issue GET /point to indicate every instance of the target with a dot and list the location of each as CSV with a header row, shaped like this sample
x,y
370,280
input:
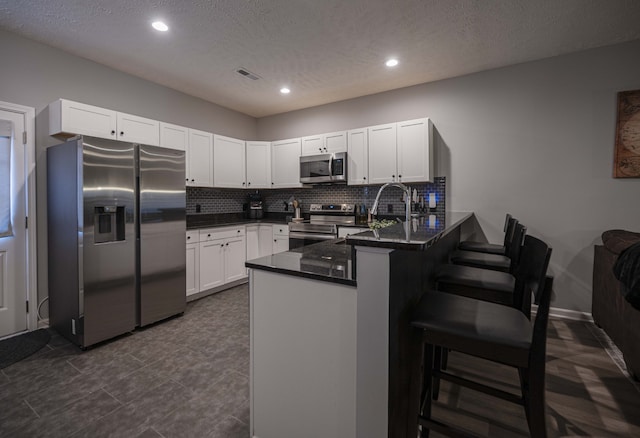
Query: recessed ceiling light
x,y
285,90
391,62
160,26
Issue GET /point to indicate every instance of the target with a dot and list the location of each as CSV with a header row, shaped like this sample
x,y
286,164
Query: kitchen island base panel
x,y
303,357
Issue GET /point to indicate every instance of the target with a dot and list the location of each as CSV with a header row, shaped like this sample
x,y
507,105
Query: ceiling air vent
x,y
247,74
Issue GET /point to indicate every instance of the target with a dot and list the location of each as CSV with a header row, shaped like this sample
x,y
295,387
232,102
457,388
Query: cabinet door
x,y
193,268
137,129
228,162
70,117
382,153
265,241
415,151
212,264
173,136
335,142
313,145
253,242
258,158
280,244
235,256
285,163
200,159
358,156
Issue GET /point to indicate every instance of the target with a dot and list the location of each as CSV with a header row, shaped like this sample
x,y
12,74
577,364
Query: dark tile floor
x,y
185,377
188,377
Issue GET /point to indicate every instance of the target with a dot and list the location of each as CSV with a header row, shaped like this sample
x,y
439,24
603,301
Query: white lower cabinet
x,y
222,256
193,263
280,238
259,241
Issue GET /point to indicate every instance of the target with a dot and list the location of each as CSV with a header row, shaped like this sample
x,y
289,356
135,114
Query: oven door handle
x,y
297,235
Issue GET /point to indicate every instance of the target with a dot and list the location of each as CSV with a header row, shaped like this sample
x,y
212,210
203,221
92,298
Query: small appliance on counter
x,y
255,206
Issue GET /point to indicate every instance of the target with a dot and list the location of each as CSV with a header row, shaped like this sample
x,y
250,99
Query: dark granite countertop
x,y
197,221
422,232
326,261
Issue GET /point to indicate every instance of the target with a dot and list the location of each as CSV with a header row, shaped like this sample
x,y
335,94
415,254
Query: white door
x,y
285,164
358,157
211,264
193,268
200,159
415,153
13,233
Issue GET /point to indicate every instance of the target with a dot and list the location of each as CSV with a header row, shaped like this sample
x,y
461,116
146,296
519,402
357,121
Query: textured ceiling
x,y
324,50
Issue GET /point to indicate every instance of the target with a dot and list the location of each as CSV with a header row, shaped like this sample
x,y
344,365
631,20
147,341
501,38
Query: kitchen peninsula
x,y
330,331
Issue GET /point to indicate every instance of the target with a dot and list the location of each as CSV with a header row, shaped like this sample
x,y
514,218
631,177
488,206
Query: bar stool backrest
x,y
531,273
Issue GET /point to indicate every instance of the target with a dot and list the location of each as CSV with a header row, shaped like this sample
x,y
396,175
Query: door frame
x,y
29,114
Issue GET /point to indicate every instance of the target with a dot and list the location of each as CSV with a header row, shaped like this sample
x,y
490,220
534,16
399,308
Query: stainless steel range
x,y
322,224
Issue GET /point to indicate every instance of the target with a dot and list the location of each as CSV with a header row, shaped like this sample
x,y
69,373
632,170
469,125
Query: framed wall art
x,y
627,150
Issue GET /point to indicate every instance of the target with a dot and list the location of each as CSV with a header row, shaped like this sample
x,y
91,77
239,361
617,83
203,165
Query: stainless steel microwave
x,y
325,168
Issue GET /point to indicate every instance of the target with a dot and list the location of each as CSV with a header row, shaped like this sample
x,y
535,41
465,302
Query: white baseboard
x,y
574,315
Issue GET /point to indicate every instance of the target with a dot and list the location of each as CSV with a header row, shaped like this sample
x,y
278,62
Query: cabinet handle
x,y
364,177
188,237
192,180
249,183
243,183
121,133
208,235
393,176
238,231
399,176
187,179
274,240
222,245
271,182
113,132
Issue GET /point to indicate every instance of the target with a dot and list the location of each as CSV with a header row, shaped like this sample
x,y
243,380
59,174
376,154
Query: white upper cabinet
x,y
285,163
137,129
335,142
401,152
312,145
228,162
174,136
382,153
258,159
324,143
200,159
415,151
358,157
68,117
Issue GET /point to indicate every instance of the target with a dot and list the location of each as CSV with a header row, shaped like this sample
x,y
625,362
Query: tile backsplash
x,y
213,201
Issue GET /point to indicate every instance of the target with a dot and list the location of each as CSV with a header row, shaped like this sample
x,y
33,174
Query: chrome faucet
x,y
407,193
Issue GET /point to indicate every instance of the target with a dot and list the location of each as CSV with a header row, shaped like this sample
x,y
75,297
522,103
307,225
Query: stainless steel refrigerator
x,y
116,237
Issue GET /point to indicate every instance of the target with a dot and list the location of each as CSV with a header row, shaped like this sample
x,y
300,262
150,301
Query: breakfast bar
x,y
330,334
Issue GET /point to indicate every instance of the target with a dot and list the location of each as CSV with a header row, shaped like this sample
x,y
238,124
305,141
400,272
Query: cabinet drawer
x,y
221,233
193,236
280,230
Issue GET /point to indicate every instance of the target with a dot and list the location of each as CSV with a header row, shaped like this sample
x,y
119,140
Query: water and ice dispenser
x,y
108,223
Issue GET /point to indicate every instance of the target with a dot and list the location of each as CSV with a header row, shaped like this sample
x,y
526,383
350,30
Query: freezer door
x,y
162,241
107,242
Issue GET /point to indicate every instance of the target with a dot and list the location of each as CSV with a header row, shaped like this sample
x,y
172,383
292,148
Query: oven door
x,y
297,239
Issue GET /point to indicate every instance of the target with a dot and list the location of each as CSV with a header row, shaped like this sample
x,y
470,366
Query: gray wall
x,y
535,140
34,74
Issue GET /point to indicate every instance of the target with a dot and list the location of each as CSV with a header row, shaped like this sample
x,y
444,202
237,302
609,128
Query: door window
x,y
6,128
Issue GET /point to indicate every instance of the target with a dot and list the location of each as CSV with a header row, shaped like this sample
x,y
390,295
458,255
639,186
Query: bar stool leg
x,y
427,384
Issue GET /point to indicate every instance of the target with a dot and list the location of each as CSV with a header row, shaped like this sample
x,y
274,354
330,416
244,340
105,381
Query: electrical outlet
x,y
389,208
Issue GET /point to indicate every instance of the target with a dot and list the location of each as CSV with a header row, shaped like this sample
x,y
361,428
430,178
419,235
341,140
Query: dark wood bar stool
x,y
491,248
495,262
490,331
485,284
